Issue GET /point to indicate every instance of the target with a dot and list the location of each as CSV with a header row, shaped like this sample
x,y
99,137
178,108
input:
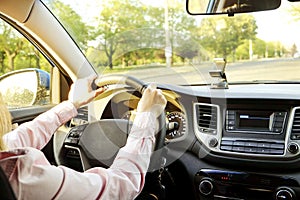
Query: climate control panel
x,y
218,184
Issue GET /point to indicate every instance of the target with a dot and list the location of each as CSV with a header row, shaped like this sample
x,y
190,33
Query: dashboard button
x,y
278,125
231,117
250,144
230,112
293,148
277,146
213,142
263,145
295,137
239,149
250,149
238,143
206,187
226,148
226,142
277,130
263,150
276,152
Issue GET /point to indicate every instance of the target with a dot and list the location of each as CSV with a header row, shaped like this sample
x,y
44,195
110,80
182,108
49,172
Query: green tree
x,y
10,43
274,49
135,33
183,32
80,31
222,35
295,11
2,65
259,49
118,22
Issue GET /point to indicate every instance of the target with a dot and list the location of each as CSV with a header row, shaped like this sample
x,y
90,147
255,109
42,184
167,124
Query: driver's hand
x,y
152,101
81,91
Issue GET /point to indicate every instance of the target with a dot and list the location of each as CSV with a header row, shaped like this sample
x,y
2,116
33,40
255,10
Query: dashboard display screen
x,y
255,121
251,120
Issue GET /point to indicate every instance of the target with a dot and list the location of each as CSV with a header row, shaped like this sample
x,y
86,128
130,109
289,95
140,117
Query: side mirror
x,y
25,87
230,7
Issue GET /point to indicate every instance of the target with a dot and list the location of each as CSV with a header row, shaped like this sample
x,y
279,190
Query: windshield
x,y
157,41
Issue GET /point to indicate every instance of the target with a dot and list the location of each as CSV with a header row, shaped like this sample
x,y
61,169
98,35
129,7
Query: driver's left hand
x,y
81,91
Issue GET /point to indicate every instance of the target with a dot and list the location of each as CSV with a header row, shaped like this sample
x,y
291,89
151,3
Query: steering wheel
x,y
100,141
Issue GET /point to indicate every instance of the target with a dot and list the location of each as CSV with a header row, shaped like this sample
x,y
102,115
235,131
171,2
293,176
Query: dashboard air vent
x,y
295,134
207,116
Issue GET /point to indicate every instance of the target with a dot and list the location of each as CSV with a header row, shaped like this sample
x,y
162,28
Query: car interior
x,y
218,140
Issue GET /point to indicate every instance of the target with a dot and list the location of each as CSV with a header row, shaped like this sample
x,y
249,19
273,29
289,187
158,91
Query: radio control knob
x,y
284,194
206,187
213,142
293,148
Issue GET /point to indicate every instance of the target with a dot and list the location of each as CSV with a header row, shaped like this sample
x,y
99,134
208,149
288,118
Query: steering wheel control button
x,y
74,135
206,187
293,148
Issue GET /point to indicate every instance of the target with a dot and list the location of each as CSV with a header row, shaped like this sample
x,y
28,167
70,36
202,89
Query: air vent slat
x,y
207,118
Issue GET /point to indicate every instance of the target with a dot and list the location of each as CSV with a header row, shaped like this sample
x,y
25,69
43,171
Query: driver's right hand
x,y
152,101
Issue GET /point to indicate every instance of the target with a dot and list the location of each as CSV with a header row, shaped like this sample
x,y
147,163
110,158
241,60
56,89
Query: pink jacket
x,y
33,177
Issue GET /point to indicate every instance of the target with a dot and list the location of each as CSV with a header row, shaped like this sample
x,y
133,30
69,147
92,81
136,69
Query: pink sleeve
x,y
38,132
37,179
125,178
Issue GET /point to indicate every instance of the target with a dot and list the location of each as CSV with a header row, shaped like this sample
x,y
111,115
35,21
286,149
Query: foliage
x,y
17,53
73,23
118,25
123,29
132,33
295,11
222,35
11,44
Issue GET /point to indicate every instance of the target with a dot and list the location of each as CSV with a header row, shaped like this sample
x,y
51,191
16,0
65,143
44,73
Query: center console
x,y
252,135
248,130
254,132
218,184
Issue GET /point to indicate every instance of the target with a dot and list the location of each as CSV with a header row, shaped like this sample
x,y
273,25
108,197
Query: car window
x,y
158,41
24,71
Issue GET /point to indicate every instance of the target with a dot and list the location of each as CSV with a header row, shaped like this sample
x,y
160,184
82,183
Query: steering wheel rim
x,y
139,86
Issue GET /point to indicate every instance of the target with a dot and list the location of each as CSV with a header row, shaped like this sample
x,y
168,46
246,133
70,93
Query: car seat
x,y
6,191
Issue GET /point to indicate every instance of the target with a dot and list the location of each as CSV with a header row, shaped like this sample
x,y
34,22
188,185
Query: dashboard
x,y
237,143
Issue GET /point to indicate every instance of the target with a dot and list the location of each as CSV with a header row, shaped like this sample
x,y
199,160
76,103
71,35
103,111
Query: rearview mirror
x,y
25,87
230,7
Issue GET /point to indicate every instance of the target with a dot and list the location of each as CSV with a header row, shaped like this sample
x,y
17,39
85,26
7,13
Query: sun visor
x,y
17,9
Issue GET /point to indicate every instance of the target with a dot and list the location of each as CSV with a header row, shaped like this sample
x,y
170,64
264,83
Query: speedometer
x,y
176,125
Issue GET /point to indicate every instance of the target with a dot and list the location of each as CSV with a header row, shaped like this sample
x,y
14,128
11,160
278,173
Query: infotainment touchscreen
x,y
256,121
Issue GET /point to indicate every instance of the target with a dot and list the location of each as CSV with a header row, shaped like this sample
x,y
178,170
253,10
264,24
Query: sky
x,y
275,26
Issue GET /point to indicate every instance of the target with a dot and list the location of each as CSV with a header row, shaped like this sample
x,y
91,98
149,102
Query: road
x,y
276,69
